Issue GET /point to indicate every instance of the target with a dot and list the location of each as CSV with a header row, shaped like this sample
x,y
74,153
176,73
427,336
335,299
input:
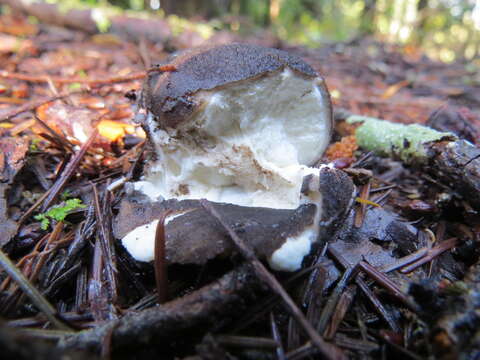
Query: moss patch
x,y
385,138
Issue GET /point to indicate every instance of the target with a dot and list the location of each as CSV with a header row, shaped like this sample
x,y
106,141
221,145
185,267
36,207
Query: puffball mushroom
x,y
243,125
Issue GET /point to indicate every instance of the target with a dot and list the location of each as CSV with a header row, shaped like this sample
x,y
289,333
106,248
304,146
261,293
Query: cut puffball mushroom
x,y
243,125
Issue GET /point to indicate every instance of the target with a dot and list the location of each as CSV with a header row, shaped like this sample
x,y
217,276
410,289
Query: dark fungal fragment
x,y
193,237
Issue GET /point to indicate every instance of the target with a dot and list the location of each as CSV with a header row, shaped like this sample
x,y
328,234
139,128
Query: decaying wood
x,y
457,164
455,316
19,346
454,162
193,313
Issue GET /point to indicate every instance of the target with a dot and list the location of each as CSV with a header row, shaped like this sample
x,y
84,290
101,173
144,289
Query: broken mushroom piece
x,y
282,236
243,125
237,124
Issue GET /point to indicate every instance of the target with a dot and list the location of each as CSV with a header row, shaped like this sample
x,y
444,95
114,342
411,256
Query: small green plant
x,y
34,145
59,213
65,195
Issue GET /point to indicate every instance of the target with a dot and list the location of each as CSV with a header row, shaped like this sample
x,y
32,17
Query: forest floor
x,y
408,289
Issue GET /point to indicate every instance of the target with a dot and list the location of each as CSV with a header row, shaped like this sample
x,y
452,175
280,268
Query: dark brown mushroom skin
x,y
170,96
196,237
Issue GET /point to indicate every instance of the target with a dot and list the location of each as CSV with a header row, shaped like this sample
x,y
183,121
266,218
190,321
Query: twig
x,y
44,333
35,296
307,349
360,213
246,341
68,172
430,255
278,339
91,82
377,304
106,351
62,140
404,261
388,284
329,351
343,305
104,226
30,106
163,68
332,301
195,312
161,279
41,320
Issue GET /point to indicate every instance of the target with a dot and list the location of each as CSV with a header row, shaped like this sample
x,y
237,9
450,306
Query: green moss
x,y
59,213
405,142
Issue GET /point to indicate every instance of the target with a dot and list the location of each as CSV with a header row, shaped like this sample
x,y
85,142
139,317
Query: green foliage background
x,y
445,29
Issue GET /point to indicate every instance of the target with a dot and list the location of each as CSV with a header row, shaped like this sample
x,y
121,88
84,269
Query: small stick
x,y
35,296
332,301
163,68
106,348
404,261
30,106
329,351
246,341
278,339
307,349
103,225
343,305
161,278
59,80
41,320
431,254
69,170
62,140
360,213
377,304
388,284
45,333
268,304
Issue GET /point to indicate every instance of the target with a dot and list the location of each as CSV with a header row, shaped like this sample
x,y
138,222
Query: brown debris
x,y
197,311
12,158
343,149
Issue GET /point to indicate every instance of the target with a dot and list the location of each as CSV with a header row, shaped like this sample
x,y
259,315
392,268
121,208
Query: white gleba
x,y
249,145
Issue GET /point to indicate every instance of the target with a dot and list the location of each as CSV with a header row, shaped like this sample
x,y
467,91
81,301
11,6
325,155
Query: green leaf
x,y
59,213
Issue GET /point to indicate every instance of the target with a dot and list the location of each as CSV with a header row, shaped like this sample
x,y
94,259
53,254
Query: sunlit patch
x,y
114,130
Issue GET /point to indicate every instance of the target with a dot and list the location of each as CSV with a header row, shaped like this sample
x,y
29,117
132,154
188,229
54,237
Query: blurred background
x,y
446,30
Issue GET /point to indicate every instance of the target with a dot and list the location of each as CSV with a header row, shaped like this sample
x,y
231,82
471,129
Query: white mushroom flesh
x,y
250,144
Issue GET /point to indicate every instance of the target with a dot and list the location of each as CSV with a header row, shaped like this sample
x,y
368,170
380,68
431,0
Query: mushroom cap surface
x,y
170,96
